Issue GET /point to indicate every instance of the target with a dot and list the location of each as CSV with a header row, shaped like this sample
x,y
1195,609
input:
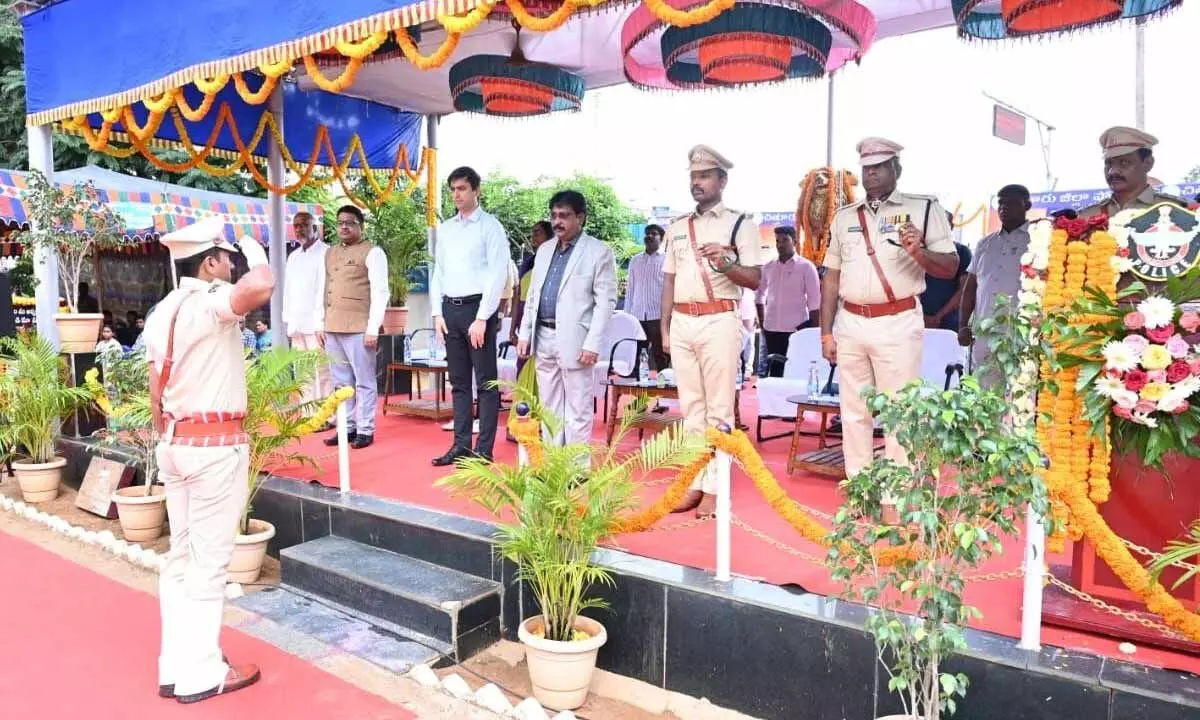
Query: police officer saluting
x,y
880,249
198,401
711,254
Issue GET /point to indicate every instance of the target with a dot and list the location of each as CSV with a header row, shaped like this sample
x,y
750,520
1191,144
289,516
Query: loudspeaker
x,y
8,325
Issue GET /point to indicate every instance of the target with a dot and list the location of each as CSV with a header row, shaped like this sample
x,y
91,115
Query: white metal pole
x,y
723,465
1139,105
45,262
343,449
277,250
434,199
829,125
1031,606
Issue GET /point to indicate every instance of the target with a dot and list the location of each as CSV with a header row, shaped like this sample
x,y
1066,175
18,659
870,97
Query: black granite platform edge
x,y
750,646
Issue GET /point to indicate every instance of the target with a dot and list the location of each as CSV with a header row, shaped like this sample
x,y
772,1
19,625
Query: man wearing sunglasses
x,y
880,250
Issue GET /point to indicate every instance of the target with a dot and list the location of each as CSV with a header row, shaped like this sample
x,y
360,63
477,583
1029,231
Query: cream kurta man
x,y
711,255
198,401
303,291
880,249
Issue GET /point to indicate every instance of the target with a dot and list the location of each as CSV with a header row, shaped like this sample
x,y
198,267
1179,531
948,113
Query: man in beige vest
x,y
711,255
198,403
880,250
348,322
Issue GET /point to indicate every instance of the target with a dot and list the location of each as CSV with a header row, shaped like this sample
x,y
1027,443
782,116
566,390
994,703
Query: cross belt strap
x,y
887,286
700,259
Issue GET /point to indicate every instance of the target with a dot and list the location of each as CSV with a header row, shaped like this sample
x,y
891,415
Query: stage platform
x,y
776,639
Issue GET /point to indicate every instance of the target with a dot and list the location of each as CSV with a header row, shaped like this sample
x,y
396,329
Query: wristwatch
x,y
728,261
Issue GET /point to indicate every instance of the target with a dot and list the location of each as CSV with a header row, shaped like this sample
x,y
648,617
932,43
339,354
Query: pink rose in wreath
x,y
1178,370
1122,412
1161,334
1181,408
1177,346
1156,376
1145,407
1135,380
1194,364
1136,343
1190,321
1134,320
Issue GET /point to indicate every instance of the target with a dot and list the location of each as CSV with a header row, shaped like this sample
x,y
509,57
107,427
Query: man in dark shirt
x,y
942,298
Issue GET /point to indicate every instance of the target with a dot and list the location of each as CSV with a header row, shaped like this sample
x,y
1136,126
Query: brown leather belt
x,y
188,429
706,308
880,309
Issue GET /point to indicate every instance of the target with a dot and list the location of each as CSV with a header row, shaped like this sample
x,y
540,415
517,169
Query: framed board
x,y
103,478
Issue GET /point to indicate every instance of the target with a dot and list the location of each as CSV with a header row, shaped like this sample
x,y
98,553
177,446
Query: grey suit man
x,y
572,295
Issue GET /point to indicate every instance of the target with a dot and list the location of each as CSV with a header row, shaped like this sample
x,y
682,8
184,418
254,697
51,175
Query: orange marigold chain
x,y
549,23
338,84
687,18
435,59
256,97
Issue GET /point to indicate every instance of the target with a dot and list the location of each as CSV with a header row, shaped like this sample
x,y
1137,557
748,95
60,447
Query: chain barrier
x,y
1099,604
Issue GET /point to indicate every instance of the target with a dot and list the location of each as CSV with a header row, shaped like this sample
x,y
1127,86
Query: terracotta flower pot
x,y
39,481
142,516
77,332
561,672
249,552
395,320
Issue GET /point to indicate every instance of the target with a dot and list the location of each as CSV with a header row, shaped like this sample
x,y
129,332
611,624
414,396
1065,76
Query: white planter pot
x,y
561,672
142,516
78,332
249,552
39,481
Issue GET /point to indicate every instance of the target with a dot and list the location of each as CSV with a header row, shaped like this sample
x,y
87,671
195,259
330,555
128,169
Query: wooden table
x,y
435,409
623,387
827,460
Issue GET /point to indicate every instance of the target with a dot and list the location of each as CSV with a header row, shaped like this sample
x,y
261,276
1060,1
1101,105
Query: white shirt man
x,y
470,266
643,294
303,292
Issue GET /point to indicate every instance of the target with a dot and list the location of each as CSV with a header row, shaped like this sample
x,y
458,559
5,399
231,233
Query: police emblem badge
x,y
1162,242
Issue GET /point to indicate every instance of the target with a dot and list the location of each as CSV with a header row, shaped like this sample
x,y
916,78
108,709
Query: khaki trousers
x,y
206,491
319,388
884,353
705,351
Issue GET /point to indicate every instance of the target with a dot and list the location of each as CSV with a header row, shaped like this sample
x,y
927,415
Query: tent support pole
x,y
829,125
45,262
277,253
434,199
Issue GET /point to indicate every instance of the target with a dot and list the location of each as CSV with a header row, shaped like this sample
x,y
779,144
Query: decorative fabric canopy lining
x,y
1006,19
493,85
747,44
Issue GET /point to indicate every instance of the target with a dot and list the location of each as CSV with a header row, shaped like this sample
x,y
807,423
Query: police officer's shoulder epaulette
x,y
1163,197
850,206
920,196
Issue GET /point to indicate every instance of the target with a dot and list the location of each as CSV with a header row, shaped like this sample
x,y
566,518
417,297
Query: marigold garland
x,y
647,518
326,411
687,18
427,62
549,23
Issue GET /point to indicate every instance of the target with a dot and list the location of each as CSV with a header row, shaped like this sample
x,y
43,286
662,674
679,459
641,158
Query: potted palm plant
x,y
398,227
34,398
124,398
554,512
974,468
275,422
71,222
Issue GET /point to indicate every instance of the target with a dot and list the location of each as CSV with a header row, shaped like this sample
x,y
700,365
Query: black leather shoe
x,y
362,441
331,441
450,457
482,456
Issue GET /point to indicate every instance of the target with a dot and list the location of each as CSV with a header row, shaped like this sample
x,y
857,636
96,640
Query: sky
x,y
924,91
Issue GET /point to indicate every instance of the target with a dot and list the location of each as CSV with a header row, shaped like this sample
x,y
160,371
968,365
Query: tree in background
x,y
519,205
72,151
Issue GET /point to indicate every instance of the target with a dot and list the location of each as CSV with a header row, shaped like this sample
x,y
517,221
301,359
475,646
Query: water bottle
x,y
643,369
814,381
407,348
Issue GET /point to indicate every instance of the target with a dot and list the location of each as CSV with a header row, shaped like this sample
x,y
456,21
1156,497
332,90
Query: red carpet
x,y
76,644
398,467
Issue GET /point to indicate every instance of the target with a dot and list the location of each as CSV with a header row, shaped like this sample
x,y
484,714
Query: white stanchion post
x,y
522,411
723,466
1034,566
343,449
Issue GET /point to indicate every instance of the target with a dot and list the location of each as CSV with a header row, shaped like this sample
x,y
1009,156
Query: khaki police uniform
x,y
880,325
203,460
705,330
